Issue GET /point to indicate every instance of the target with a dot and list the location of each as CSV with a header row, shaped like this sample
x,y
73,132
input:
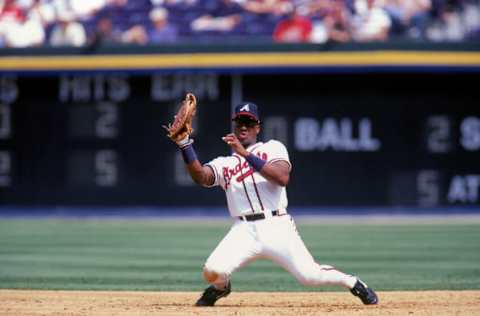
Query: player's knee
x,y
210,275
214,275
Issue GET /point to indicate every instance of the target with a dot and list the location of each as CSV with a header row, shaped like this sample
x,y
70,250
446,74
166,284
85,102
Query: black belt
x,y
256,217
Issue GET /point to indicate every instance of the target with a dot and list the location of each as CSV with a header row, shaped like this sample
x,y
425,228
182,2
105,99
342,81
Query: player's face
x,y
246,130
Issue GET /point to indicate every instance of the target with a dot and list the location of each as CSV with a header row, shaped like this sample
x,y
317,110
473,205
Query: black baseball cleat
x,y
211,295
366,294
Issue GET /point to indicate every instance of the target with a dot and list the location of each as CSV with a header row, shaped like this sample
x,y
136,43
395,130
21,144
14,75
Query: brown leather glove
x,y
181,128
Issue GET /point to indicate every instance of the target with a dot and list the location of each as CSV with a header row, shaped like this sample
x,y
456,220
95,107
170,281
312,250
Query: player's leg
x,y
289,251
236,249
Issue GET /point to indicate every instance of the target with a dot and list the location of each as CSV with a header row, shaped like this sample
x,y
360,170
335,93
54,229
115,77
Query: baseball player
x,y
254,179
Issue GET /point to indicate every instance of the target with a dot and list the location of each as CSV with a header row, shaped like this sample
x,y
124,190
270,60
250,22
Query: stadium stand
x,y
27,23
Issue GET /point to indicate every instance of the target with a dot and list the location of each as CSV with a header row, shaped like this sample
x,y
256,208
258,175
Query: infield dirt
x,y
438,303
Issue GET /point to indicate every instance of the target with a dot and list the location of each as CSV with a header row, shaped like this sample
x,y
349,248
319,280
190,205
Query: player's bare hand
x,y
233,142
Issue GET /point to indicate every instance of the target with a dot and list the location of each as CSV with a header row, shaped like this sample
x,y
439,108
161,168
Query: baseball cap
x,y
247,109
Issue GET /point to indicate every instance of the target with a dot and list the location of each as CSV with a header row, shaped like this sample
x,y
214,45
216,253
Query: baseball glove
x,y
181,127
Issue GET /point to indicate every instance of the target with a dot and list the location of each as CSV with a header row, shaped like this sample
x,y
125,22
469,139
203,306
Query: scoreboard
x,y
378,139
354,139
99,139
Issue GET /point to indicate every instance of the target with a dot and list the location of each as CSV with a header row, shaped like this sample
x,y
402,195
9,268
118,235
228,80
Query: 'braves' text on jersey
x,y
247,191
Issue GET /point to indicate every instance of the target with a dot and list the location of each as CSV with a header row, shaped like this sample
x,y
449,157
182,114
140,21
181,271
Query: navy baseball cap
x,y
247,109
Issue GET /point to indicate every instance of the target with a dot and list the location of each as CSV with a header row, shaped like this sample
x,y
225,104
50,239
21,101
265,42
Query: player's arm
x,y
179,132
278,171
202,175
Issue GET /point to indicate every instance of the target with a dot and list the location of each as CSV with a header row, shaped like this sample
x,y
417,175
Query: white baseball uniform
x,y
274,237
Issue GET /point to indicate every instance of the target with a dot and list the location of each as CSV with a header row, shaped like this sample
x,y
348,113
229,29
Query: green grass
x,y
169,255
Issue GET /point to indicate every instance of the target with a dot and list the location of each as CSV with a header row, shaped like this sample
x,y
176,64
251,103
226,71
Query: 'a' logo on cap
x,y
246,108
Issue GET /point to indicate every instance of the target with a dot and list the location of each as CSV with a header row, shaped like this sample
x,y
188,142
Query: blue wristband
x,y
256,162
188,154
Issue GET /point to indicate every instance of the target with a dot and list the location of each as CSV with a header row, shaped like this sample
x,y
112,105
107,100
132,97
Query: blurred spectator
x,y
20,30
162,31
454,21
262,16
409,17
123,22
164,3
84,9
11,16
294,29
68,31
42,11
105,33
370,21
471,14
222,16
118,13
330,21
337,23
10,12
274,7
135,35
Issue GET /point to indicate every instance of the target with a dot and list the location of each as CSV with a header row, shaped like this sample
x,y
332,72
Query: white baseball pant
x,y
275,238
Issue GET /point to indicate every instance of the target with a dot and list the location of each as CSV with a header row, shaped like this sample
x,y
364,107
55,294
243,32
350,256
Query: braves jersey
x,y
247,191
